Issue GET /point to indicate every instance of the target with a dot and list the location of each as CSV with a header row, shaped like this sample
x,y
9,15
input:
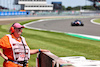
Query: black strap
x,y
10,60
19,62
25,61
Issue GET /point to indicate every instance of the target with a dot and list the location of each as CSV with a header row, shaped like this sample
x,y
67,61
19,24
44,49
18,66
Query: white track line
x,y
90,36
92,21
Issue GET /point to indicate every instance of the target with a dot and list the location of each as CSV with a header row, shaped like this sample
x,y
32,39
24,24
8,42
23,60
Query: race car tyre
x,y
72,24
82,24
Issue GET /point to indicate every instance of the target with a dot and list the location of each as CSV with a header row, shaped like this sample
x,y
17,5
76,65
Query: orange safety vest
x,y
19,50
7,44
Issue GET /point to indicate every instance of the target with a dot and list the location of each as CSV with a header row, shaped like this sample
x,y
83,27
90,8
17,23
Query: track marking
x,y
72,34
92,21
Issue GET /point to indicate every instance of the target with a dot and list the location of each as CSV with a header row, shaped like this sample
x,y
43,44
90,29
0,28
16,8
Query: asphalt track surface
x,y
64,25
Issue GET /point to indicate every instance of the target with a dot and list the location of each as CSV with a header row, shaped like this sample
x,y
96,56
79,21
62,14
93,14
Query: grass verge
x,y
59,44
97,20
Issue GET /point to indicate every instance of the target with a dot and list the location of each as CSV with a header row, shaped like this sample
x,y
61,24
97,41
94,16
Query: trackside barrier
x,y
13,13
47,59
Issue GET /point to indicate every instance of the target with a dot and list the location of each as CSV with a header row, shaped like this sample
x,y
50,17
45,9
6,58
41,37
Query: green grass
x,y
59,44
97,20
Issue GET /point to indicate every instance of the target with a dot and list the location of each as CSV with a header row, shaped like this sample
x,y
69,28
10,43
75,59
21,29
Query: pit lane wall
x,y
12,13
48,13
39,13
47,59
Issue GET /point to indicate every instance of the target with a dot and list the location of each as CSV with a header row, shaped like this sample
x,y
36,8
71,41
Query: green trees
x,y
88,7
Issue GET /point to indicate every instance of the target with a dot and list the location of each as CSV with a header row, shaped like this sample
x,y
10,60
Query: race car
x,y
77,23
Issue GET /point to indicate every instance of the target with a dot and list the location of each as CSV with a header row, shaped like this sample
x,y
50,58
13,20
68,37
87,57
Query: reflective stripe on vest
x,y
18,49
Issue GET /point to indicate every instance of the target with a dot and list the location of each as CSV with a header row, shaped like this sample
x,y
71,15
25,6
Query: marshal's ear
x,y
12,30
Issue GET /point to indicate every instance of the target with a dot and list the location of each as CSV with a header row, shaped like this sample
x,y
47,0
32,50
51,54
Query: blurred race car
x,y
77,23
